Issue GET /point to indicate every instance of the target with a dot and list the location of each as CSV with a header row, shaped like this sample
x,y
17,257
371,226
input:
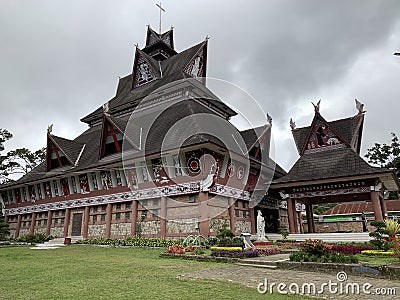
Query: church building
x,y
143,169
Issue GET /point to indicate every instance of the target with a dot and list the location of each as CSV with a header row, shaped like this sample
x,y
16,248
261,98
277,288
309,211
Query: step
x,y
256,265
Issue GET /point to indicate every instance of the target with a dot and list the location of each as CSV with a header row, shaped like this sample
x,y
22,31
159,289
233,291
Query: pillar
x,y
33,223
66,221
291,210
99,180
108,220
376,206
310,218
384,208
49,221
86,222
134,215
90,181
252,220
231,203
163,216
300,222
18,226
204,221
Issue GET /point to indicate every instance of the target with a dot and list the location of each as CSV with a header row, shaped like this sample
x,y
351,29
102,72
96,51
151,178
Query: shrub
x,y
32,238
286,241
325,258
380,237
267,251
137,242
377,253
176,249
349,249
216,248
315,247
235,253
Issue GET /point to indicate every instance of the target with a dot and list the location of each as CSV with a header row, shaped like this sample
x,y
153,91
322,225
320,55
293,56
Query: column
x,y
291,209
134,215
113,178
90,182
108,220
33,223
18,226
53,193
252,220
99,180
123,178
49,221
231,203
300,221
310,218
384,208
376,205
163,216
204,221
86,222
71,189
66,221
43,191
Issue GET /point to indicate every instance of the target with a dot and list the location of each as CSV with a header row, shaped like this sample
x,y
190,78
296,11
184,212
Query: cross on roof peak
x,y
161,10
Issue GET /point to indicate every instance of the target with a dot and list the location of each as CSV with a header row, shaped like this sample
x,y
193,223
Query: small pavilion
x,y
331,170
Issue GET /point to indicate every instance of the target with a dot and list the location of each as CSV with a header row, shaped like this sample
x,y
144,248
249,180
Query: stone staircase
x,y
356,237
269,262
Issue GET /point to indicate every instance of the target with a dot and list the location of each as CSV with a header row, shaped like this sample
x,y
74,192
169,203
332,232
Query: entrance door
x,y
77,225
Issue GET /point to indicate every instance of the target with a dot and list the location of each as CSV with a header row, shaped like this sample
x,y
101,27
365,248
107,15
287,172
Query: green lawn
x,y
377,260
84,272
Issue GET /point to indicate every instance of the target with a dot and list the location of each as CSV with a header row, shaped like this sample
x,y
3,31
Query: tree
x,y
386,156
4,228
19,161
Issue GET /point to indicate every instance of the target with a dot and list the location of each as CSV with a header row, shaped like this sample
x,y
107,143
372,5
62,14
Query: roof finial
x,y
50,129
292,124
316,107
269,119
161,9
106,108
360,107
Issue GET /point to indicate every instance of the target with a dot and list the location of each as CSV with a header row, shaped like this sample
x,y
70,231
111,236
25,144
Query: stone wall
x,y
150,227
98,230
182,225
216,224
57,231
121,229
243,226
23,232
12,233
40,230
347,226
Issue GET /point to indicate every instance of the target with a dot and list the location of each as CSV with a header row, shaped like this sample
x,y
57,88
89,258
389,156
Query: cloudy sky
x,y
59,60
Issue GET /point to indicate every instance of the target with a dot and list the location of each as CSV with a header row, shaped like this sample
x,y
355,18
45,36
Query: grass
x,y
85,272
377,260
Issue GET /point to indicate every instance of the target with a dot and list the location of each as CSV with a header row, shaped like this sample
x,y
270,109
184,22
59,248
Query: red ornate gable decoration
x,y
322,137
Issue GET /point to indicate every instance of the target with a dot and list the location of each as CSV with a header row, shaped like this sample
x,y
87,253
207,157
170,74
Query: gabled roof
x,y
70,149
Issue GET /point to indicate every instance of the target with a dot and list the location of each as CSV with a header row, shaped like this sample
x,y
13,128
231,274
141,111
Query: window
x,y
94,179
94,209
102,218
44,222
128,206
39,222
73,182
127,216
144,203
118,177
144,214
39,190
56,213
94,218
55,221
57,157
55,188
243,204
118,216
62,221
237,213
192,199
103,208
155,202
236,203
63,213
113,140
244,214
118,206
23,193
154,213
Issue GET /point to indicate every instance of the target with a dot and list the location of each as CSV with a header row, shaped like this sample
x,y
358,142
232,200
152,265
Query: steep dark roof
x,y
72,149
327,164
360,207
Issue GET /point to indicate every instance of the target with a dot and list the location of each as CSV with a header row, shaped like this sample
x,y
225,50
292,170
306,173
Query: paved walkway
x,y
252,277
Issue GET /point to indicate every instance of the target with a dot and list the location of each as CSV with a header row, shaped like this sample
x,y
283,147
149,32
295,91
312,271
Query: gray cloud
x,y
60,60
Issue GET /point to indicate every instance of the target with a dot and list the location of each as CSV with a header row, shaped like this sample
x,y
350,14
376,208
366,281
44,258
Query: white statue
x,y
260,226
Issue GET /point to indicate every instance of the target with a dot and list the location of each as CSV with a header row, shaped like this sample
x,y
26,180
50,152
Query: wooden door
x,y
77,225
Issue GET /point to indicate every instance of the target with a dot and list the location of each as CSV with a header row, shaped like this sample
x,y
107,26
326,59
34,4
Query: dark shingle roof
x,y
72,149
329,164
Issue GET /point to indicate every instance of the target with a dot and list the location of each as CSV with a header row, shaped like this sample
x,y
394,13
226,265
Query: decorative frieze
x,y
229,192
334,192
180,189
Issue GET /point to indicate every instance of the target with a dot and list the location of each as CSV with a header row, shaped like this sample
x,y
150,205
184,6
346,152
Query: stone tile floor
x,y
252,277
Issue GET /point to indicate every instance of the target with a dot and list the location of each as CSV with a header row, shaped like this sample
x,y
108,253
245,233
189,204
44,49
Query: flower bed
x,y
262,243
268,251
235,253
349,249
217,248
377,253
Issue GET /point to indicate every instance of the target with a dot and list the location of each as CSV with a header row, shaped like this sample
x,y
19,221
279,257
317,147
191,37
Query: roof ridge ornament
x,y
50,129
106,108
269,120
360,107
316,106
292,124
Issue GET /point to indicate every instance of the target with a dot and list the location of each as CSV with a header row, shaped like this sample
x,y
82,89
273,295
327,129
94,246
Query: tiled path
x,y
252,277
